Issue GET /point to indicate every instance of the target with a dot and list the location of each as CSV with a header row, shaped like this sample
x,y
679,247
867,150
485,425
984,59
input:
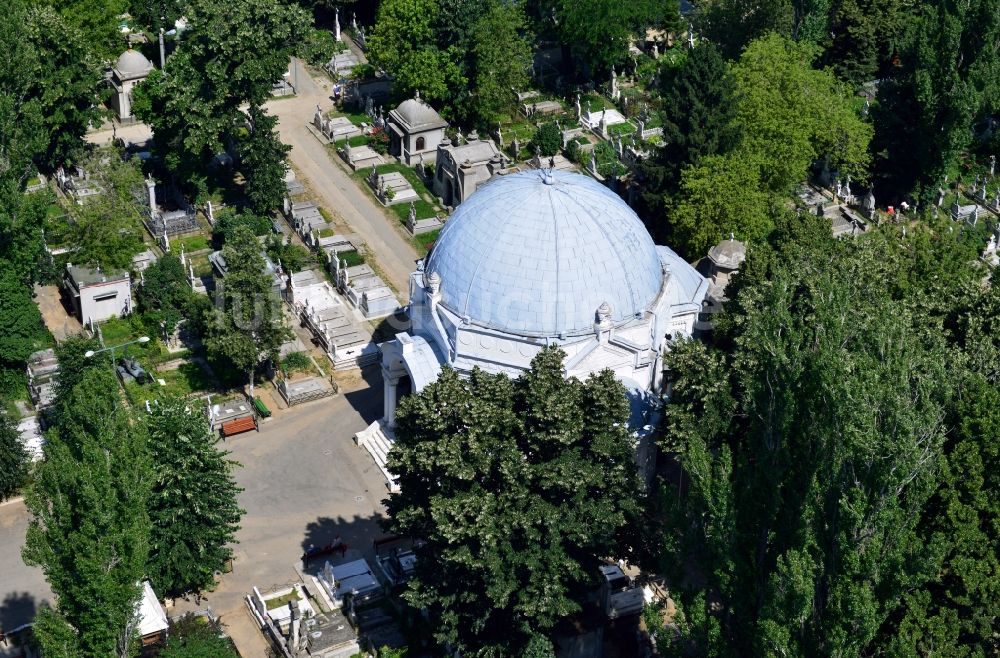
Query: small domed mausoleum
x,y
543,258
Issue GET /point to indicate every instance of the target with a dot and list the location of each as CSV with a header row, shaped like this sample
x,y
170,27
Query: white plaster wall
x,y
97,310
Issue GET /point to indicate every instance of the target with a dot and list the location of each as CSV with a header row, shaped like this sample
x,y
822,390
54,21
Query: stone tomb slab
x,y
402,191
362,157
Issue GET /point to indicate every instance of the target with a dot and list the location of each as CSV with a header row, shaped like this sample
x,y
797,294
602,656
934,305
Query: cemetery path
x,y
335,188
57,320
22,588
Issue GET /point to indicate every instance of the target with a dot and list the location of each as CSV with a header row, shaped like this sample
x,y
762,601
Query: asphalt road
x,y
335,188
304,481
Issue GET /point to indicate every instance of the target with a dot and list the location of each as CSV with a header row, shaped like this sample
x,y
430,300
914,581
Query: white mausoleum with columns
x,y
543,258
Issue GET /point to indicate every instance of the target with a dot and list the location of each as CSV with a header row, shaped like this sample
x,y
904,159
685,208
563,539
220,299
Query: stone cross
x,y
593,163
690,36
411,219
336,25
500,135
515,147
614,83
578,113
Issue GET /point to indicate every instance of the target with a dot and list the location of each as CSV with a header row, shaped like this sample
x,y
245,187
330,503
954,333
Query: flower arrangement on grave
x,y
379,141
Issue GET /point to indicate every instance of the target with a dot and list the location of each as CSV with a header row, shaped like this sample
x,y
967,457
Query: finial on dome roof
x,y
433,283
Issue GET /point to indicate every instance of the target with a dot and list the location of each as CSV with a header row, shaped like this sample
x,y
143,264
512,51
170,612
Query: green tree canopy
x,y
262,159
89,530
21,328
233,53
502,56
248,329
403,44
790,117
50,89
192,505
13,458
164,291
97,22
600,30
822,443
950,76
191,638
547,140
505,481
699,110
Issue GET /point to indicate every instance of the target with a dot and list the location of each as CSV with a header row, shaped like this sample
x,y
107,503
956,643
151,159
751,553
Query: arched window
x,y
420,143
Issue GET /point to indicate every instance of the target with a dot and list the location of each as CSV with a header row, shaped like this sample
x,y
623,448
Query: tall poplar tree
x,y
192,505
811,448
89,530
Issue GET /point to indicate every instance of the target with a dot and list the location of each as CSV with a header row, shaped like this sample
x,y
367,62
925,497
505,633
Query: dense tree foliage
x,y
164,295
262,159
788,116
89,530
232,55
49,89
504,480
107,230
192,504
600,30
403,43
247,329
97,22
699,111
13,458
501,56
190,637
836,456
547,140
950,76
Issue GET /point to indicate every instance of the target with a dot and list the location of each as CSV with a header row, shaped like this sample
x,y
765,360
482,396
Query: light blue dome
x,y
536,253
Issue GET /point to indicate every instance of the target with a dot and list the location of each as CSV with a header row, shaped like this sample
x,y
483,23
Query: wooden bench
x,y
239,425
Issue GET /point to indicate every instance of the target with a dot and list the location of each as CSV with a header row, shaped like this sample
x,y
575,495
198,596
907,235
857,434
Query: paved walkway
x,y
328,177
331,182
60,323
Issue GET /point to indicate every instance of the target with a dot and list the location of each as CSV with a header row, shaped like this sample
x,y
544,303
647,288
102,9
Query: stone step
x,y
378,444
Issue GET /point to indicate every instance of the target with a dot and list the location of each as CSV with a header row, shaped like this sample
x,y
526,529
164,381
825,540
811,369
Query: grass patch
x,y
326,232
325,214
188,378
280,601
192,243
357,118
351,257
409,174
357,140
296,362
122,330
201,265
619,129
424,210
425,240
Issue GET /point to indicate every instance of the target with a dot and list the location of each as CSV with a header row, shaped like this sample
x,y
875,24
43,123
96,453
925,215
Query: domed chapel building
x,y
543,258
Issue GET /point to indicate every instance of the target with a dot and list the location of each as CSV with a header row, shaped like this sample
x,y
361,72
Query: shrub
x,y
318,47
573,151
228,220
547,140
379,141
296,362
